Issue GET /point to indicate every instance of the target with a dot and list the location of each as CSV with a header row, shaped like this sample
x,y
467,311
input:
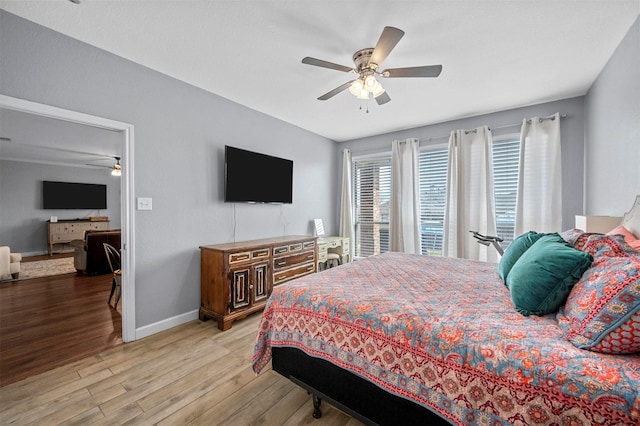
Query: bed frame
x,y
631,219
348,392
359,397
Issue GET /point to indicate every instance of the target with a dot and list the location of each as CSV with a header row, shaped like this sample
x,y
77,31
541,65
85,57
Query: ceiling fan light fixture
x,y
364,94
117,168
356,87
370,83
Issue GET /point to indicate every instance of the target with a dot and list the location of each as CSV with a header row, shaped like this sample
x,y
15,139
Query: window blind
x,y
372,194
505,183
433,191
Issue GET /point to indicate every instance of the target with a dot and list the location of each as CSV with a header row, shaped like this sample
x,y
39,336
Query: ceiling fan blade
x,y
383,99
73,151
98,165
388,39
325,64
426,71
335,91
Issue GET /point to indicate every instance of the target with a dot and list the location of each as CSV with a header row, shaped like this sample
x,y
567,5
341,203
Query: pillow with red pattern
x,y
599,245
602,312
628,236
577,238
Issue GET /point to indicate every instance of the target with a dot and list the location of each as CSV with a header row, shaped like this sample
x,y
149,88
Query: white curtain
x,y
470,204
346,203
404,209
539,199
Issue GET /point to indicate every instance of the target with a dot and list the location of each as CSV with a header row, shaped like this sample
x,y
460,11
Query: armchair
x,y
90,257
9,263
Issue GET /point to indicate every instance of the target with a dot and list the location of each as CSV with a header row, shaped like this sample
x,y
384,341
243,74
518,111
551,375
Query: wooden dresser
x,y
237,278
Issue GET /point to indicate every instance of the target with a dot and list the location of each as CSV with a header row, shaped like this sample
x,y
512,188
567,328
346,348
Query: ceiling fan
x,y
116,169
367,61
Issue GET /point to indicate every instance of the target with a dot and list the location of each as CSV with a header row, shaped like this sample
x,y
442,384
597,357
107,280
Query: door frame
x,y
127,203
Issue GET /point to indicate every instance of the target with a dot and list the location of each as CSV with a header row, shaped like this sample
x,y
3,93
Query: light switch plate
x,y
145,203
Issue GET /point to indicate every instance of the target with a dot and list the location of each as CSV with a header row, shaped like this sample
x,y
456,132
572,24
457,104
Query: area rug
x,y
46,268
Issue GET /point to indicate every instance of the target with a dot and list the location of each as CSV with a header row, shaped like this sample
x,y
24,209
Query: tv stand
x,y
62,232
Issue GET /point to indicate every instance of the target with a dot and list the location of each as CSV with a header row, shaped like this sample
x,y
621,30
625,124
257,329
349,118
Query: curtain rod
x,y
493,128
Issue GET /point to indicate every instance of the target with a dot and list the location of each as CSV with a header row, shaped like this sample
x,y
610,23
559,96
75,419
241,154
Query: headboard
x,y
631,219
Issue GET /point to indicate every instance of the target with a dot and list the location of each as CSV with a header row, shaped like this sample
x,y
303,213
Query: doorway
x,y
126,191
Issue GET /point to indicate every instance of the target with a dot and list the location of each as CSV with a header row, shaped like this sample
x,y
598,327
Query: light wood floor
x,y
190,374
62,361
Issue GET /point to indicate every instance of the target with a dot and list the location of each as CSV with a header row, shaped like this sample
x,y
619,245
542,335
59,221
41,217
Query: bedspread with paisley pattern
x,y
444,333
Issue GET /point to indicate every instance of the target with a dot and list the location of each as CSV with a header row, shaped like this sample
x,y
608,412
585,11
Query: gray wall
x,y
180,133
572,140
612,111
23,221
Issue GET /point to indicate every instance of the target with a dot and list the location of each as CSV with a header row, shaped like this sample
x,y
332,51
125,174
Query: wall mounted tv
x,y
71,195
256,178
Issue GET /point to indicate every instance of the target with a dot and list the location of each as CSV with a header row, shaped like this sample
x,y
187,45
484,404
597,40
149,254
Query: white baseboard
x,y
165,324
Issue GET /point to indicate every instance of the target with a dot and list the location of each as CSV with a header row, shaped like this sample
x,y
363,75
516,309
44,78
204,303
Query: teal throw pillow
x,y
514,251
542,278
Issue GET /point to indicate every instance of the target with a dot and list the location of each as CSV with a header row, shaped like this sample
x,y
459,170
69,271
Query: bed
x,y
410,339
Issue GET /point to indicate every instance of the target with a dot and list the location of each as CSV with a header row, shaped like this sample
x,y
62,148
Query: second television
x,y
256,178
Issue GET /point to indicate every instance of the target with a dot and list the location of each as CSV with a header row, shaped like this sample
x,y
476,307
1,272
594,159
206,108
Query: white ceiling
x,y
38,139
496,54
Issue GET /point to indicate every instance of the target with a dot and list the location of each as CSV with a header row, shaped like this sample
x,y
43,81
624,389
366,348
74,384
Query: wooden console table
x,y
337,245
62,232
236,279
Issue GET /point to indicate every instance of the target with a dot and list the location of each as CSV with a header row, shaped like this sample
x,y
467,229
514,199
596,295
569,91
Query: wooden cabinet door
x,y
261,284
249,284
240,288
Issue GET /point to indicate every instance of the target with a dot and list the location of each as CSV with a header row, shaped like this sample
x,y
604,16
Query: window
x,y
433,195
372,194
506,153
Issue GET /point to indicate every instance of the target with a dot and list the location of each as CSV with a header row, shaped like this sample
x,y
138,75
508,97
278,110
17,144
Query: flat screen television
x,y
252,177
71,195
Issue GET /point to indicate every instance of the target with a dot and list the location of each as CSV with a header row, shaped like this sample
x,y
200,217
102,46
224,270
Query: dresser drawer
x,y
295,247
333,244
239,257
295,259
243,256
280,250
292,273
262,253
345,245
